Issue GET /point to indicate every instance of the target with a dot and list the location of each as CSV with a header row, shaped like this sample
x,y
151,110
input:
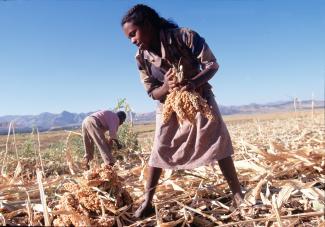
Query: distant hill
x,y
44,121
269,107
66,120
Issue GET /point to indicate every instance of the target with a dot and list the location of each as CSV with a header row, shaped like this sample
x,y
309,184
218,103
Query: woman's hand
x,y
169,80
110,143
188,86
168,85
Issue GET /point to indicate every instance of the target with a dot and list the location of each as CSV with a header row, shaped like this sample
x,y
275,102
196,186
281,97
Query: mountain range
x,y
66,120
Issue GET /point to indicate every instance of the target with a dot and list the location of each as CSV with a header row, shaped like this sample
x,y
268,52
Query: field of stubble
x,y
279,159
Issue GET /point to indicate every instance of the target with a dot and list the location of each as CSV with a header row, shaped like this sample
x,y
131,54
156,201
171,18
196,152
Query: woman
x,y
162,45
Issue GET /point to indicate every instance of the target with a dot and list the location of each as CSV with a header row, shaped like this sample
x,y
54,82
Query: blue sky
x,y
72,55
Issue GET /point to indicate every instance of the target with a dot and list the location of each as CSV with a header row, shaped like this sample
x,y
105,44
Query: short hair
x,y
121,115
140,13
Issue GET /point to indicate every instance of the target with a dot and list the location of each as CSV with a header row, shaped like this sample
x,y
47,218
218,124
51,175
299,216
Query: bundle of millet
x,y
186,104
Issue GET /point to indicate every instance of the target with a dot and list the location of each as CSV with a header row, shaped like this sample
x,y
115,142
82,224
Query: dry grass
x,y
47,138
279,159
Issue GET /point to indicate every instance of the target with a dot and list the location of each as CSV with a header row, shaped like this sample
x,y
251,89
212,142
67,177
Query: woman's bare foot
x,y
145,210
238,199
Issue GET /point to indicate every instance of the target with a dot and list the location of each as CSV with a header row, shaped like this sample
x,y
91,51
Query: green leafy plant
x,y
126,134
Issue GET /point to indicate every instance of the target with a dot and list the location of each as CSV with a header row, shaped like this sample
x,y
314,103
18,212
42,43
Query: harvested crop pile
x,y
95,200
186,104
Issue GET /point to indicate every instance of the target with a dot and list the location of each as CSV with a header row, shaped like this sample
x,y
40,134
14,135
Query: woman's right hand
x,y
161,92
169,80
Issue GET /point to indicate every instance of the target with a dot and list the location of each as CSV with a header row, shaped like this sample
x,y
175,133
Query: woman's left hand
x,y
189,86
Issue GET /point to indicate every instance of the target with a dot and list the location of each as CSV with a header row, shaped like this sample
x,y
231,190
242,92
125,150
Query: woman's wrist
x,y
191,85
160,92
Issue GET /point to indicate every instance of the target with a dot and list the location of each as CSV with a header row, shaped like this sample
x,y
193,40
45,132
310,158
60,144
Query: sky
x,y
72,55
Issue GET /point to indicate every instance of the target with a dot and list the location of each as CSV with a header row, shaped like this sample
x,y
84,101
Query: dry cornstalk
x,y
68,155
15,144
3,220
5,157
43,197
276,210
39,151
29,210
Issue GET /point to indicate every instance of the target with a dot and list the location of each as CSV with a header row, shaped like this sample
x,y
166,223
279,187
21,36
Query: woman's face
x,y
139,35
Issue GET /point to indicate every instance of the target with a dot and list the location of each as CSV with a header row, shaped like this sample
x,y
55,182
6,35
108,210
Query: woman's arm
x,y
160,92
201,78
203,55
157,90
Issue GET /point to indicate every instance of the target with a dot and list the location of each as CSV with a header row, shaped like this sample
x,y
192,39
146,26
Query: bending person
x,y
94,128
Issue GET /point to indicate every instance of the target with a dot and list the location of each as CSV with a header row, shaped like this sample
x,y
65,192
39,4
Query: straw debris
x,y
279,160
